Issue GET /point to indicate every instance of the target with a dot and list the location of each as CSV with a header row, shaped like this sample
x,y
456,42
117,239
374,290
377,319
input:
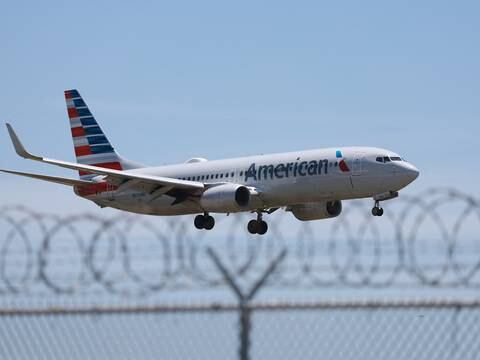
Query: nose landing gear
x,y
205,221
377,210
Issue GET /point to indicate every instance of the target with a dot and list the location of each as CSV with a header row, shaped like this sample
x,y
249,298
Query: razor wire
x,y
425,240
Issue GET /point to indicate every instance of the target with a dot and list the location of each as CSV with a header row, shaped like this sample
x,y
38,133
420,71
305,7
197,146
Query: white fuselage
x,y
284,179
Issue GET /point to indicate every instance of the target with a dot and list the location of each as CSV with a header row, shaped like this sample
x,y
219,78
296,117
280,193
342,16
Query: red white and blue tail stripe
x,y
91,145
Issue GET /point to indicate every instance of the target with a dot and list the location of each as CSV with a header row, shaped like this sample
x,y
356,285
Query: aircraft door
x,y
357,164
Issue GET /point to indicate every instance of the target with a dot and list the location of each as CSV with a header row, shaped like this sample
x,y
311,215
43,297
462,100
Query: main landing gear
x,y
204,221
377,210
257,226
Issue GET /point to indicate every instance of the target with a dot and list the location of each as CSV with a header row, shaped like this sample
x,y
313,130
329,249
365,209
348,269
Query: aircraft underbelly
x,y
140,204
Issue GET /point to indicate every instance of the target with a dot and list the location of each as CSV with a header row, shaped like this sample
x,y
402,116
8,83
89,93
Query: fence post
x,y
244,298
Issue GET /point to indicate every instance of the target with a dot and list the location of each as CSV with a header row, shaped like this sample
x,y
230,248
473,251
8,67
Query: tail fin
x,y
91,145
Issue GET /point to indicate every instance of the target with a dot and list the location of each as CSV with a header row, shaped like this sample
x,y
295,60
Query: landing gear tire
x,y
262,228
209,223
377,211
206,222
259,227
252,226
199,222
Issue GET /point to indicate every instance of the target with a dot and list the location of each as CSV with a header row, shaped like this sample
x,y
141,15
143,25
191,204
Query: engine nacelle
x,y
316,211
226,198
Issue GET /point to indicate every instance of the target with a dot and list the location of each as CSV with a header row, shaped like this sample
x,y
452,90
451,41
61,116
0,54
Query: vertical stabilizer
x,y
92,147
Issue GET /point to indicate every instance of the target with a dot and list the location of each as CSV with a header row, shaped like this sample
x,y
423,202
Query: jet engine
x,y
226,198
317,210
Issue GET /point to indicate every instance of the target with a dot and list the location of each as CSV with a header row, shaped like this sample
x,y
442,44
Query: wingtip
x,y
11,132
17,144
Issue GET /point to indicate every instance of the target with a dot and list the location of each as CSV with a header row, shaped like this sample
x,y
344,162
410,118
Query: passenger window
x,y
216,176
233,174
241,173
226,175
221,176
336,163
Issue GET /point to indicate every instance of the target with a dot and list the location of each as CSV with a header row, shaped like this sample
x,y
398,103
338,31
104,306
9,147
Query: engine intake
x,y
225,198
242,196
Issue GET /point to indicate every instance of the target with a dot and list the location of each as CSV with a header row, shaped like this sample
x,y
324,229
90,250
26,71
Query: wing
x,y
54,179
124,179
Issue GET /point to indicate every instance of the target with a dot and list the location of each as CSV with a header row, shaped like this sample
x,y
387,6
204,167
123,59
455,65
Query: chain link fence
x,y
388,330
133,287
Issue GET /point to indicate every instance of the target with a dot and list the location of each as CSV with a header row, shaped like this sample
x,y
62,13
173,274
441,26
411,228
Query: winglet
x,y
17,144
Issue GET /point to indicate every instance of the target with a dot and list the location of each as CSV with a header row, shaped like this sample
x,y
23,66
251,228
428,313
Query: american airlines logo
x,y
285,170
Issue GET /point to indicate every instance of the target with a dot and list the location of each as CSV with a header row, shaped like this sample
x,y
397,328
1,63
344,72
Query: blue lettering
x,y
289,168
267,170
251,172
325,164
312,168
301,169
279,169
282,170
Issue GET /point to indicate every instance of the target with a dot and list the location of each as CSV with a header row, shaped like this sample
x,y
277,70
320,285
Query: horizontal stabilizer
x,y
57,180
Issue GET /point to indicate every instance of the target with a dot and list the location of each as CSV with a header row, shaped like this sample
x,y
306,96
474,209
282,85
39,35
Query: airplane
x,y
310,184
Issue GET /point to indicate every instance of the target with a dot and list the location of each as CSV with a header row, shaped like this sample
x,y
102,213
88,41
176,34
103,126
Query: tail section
x,y
91,145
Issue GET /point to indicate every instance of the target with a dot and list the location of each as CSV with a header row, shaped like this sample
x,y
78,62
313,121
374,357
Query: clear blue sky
x,y
172,80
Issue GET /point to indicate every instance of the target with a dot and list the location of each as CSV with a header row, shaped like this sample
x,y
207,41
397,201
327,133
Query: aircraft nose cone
x,y
411,172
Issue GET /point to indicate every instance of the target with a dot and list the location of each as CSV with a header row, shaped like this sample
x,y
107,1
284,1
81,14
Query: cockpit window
x,y
385,159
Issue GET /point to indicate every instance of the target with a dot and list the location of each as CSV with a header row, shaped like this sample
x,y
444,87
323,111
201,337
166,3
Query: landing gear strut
x,y
205,221
258,226
377,210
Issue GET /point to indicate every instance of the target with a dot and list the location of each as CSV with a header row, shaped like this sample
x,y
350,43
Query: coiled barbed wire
x,y
427,240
